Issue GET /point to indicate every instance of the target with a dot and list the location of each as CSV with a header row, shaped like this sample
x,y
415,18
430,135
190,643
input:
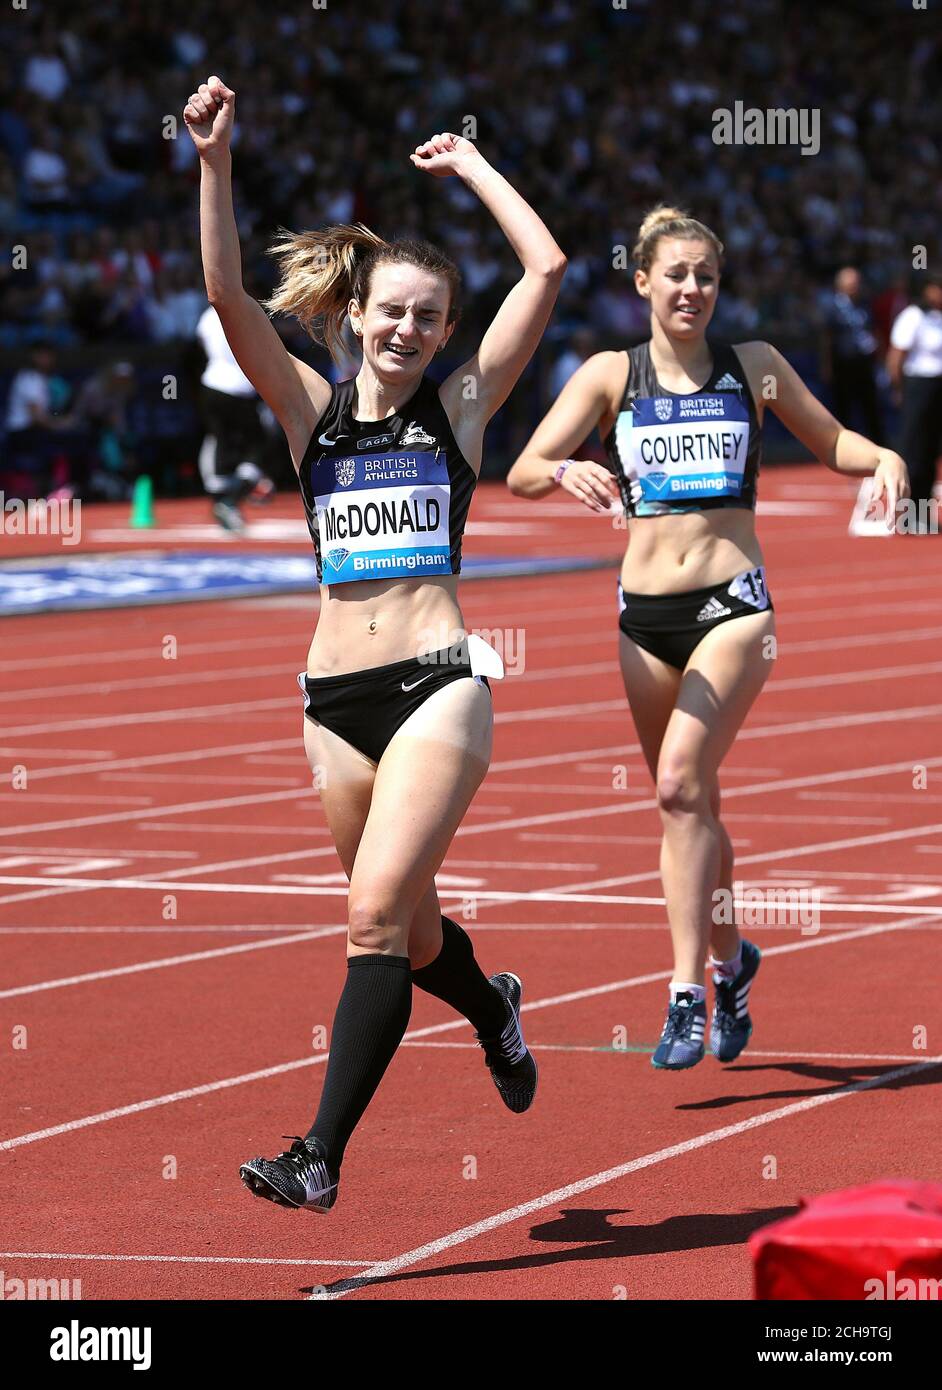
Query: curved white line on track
x,y
388,1268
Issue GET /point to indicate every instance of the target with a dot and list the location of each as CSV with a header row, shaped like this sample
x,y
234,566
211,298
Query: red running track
x,y
171,915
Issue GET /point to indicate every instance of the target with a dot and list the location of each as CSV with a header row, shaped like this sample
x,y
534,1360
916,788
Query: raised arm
x,y
510,341
588,397
296,393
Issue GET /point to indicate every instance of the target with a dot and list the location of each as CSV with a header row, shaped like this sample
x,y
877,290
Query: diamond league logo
x,y
663,407
337,556
346,471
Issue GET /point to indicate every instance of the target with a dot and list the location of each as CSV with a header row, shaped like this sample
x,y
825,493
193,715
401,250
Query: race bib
x,y
751,588
677,448
383,516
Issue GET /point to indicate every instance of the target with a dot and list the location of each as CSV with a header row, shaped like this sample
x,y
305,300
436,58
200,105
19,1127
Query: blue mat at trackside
x,y
128,581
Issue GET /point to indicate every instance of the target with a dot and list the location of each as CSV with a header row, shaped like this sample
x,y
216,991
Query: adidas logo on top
x,y
712,609
728,382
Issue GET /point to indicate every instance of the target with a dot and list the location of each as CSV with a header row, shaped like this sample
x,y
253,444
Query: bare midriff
x,y
689,550
374,622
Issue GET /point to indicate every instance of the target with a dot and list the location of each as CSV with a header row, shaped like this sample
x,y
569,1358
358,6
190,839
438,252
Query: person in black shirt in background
x,y
849,354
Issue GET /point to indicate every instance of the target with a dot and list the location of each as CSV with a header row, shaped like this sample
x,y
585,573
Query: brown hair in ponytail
x,y
667,221
322,271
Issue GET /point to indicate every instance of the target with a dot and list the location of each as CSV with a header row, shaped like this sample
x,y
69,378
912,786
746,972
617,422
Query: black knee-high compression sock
x,y
455,976
371,1018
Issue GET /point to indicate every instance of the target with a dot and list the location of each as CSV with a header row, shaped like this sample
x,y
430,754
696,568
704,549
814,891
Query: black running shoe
x,y
731,1027
511,1065
298,1178
681,1044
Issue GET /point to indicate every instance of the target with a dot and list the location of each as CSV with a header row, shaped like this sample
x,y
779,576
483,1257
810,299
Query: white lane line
x,y
610,808
187,648
159,681
83,799
248,707
165,930
796,851
180,807
617,881
885,877
151,653
151,716
491,614
45,752
156,878
280,672
219,780
86,852
877,673
191,755
491,826
181,1259
621,750
167,961
482,896
466,829
563,894
137,1107
618,750
300,928
310,830
386,1268
591,992
784,1054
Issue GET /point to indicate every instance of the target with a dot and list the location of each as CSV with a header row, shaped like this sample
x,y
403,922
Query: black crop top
x,y
685,453
385,499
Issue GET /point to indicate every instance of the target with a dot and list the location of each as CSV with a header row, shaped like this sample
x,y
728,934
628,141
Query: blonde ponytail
x,y
664,220
319,277
322,271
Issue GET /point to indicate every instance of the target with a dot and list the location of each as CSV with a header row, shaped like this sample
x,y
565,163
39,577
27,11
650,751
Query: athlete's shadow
x,y
697,695
835,1077
590,1231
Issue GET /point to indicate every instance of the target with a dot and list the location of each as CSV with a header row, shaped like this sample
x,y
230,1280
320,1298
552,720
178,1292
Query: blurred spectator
x,y
849,353
581,346
44,170
915,365
46,75
101,410
32,443
572,105
234,440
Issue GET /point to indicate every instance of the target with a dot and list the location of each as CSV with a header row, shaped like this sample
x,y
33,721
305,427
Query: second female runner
x,y
399,730
680,419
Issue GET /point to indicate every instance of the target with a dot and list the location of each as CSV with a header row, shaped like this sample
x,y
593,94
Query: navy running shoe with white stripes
x,y
511,1065
731,1026
681,1042
298,1178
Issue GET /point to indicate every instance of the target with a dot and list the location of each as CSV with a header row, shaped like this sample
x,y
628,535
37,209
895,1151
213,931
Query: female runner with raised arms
x,y
400,732
680,419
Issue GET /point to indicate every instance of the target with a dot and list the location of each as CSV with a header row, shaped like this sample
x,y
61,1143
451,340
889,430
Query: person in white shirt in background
x,y
914,362
234,440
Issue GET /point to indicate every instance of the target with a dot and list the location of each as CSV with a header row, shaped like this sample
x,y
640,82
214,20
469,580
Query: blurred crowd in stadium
x,y
596,110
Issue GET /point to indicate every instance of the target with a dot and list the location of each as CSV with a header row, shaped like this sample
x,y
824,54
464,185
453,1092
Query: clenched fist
x,y
445,154
209,115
